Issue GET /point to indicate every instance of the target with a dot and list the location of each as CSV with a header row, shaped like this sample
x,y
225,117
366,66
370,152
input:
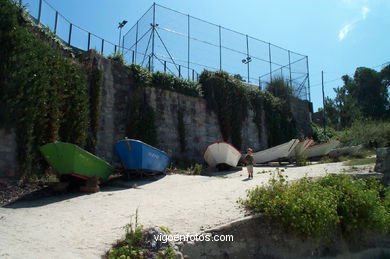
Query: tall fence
x,y
71,34
167,40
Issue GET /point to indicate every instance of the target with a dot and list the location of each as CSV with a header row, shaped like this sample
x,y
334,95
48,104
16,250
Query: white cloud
x,y
348,27
365,11
344,31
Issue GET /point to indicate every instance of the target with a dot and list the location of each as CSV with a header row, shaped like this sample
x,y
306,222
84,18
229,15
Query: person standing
x,y
249,162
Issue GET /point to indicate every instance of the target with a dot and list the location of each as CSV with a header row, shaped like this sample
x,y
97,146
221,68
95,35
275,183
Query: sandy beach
x,y
85,225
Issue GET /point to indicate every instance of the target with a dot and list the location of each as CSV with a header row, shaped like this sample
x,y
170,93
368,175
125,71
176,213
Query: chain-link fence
x,y
173,42
72,35
166,40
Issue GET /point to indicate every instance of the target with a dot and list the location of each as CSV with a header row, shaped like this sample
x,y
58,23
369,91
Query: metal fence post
x,y
247,55
55,23
165,66
220,49
133,57
179,70
308,78
270,61
188,47
115,48
70,33
102,50
136,43
39,12
20,2
149,62
289,67
89,41
153,28
193,75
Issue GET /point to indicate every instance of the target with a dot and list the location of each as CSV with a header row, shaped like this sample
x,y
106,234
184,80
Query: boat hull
x,y
321,149
221,153
69,159
275,153
301,147
137,155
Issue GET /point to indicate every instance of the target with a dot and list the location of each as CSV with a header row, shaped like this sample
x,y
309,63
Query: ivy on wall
x,y
44,95
227,97
95,79
230,98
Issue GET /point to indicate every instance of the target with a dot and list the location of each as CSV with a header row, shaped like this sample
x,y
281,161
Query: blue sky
x,y
337,35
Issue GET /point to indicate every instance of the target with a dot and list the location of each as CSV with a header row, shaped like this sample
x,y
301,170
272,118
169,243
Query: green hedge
x,y
315,208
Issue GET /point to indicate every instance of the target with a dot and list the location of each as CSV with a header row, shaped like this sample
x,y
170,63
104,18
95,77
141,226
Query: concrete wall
x,y
258,237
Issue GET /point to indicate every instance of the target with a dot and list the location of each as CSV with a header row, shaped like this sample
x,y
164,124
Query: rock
x,y
382,160
383,163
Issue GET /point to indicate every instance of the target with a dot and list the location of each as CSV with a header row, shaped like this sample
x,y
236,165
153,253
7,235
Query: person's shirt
x,y
249,159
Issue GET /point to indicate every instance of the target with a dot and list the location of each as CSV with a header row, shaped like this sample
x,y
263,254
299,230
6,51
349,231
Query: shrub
x,y
313,208
361,132
359,204
320,136
118,57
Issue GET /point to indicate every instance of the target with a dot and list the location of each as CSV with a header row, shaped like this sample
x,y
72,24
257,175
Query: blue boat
x,y
137,155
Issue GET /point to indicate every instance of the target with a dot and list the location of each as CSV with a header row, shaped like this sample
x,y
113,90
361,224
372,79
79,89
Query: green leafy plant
x,y
43,94
315,208
118,57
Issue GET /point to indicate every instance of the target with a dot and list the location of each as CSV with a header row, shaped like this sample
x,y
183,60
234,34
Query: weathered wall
x,y
257,237
201,125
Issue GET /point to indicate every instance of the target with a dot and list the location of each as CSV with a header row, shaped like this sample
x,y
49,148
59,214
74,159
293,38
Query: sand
x,y
85,226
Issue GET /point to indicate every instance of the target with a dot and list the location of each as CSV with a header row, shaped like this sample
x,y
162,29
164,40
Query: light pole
x,y
246,61
121,25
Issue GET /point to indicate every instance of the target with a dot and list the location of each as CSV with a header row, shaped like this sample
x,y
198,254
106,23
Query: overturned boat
x,y
69,159
277,153
322,149
138,156
221,153
301,147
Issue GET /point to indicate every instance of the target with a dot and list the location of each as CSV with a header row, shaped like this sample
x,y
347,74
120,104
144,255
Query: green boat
x,y
69,159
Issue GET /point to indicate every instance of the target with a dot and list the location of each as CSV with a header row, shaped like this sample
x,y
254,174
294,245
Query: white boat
x,y
301,147
275,153
221,153
321,149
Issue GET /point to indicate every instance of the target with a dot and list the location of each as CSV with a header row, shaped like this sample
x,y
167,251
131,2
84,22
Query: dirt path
x,y
84,226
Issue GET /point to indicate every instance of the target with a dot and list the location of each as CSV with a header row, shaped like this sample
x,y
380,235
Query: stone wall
x,y
201,125
258,237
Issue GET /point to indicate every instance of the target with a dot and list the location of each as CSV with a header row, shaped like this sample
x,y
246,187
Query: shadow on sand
x,y
47,195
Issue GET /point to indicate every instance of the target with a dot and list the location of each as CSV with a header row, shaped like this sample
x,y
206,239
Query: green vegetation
x,y
143,77
320,136
230,98
44,95
133,245
362,131
186,168
316,208
363,96
280,88
226,96
118,57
